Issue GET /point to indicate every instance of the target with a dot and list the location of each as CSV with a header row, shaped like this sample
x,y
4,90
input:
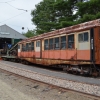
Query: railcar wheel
x,y
65,69
99,72
22,62
95,73
13,60
4,59
75,72
26,62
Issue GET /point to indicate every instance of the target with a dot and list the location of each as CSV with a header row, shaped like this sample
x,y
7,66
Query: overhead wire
x,y
7,1
11,17
15,7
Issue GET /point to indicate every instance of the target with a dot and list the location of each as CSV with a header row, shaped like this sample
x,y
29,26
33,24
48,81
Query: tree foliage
x,y
55,14
50,14
88,10
30,33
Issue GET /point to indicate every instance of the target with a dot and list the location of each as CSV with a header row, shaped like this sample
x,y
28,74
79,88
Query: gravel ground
x,y
13,87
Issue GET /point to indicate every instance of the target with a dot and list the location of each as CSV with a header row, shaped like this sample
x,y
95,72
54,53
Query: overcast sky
x,y
15,18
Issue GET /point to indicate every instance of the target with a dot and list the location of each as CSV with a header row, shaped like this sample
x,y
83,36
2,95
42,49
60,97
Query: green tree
x,y
88,10
42,16
53,14
30,33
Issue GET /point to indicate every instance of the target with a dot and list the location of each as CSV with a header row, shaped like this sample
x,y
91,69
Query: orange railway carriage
x,y
75,48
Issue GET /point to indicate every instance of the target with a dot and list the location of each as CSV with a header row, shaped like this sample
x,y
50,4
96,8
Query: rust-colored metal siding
x,y
27,54
97,44
54,61
59,54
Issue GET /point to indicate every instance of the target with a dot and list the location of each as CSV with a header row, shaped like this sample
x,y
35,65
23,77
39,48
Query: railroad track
x,y
91,87
41,87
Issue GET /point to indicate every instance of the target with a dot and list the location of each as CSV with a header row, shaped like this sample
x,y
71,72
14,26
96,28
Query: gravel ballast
x,y
73,85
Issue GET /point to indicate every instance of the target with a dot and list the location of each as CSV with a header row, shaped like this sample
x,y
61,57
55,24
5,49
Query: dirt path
x,y
17,88
9,93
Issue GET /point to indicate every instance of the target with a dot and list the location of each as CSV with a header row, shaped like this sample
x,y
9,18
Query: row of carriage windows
x,y
28,46
56,43
59,43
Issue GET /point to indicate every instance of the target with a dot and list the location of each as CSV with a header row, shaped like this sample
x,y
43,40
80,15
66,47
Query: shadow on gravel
x,y
46,67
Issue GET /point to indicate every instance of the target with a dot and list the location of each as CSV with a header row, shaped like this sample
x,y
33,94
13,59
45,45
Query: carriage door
x,y
83,45
37,49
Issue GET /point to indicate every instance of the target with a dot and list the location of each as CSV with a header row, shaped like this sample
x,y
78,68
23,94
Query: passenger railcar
x,y
75,48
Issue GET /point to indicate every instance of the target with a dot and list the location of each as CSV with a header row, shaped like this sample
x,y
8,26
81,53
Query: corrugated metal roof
x,y
8,32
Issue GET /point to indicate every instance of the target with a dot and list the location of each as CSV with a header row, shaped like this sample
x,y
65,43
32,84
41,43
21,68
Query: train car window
x,y
80,37
86,36
71,41
23,47
50,44
37,43
57,46
46,44
27,47
32,46
63,42
83,37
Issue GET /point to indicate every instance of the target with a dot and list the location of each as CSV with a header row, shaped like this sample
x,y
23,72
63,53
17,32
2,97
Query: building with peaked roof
x,y
9,36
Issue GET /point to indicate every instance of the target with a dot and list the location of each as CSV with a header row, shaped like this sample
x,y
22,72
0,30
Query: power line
x,y
15,7
12,17
7,1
